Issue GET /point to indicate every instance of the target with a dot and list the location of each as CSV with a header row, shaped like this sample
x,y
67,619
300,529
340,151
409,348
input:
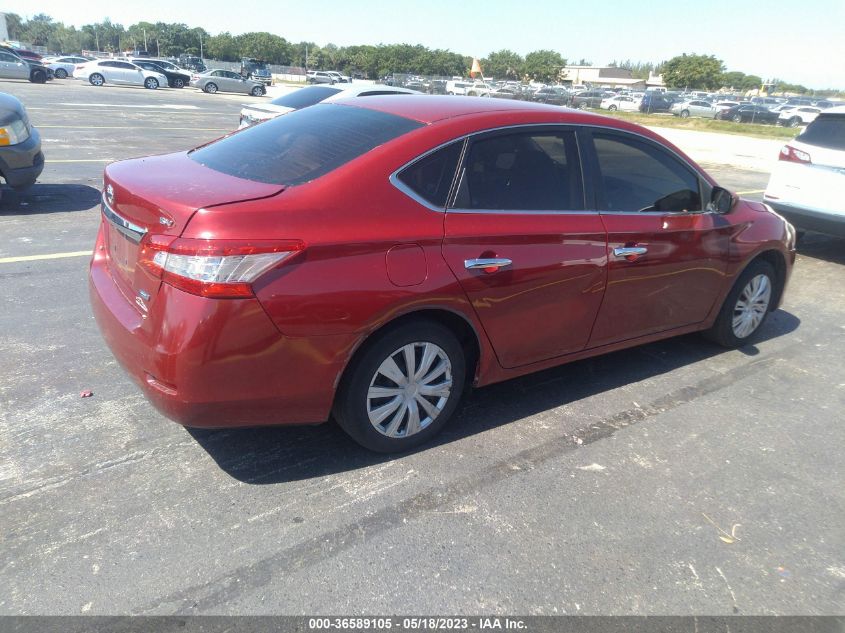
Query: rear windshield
x,y
828,130
302,146
305,97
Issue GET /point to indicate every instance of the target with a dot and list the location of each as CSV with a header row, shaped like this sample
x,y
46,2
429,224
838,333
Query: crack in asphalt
x,y
203,597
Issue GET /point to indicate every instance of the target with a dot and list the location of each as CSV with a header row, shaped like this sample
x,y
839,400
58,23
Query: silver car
x,y
12,66
694,107
219,80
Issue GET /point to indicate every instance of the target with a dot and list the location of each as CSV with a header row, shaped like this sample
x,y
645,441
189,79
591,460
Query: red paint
x,y
372,254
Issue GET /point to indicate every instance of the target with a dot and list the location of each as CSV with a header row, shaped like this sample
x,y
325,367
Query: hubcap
x,y
751,306
409,389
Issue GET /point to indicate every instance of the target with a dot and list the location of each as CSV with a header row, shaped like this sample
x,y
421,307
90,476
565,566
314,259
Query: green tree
x,y
544,65
503,64
693,71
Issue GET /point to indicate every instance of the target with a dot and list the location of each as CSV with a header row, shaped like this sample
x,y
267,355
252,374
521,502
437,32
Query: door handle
x,y
631,253
488,265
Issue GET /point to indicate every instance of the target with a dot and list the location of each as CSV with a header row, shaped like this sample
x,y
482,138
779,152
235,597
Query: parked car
x,y
14,67
21,159
721,106
219,80
457,87
749,113
620,102
256,70
321,77
654,101
366,259
589,98
807,182
339,78
694,107
63,67
23,53
795,116
553,95
175,78
120,73
505,92
311,95
190,62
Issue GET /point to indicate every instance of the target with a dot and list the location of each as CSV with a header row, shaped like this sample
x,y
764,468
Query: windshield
x,y
305,97
828,130
303,145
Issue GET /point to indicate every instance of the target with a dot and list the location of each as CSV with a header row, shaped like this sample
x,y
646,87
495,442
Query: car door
x,y
13,67
132,74
666,254
527,253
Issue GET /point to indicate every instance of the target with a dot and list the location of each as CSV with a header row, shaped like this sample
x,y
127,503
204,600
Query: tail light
x,y
213,268
792,155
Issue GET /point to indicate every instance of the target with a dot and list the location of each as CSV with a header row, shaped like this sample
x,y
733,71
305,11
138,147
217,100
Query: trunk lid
x,y
158,195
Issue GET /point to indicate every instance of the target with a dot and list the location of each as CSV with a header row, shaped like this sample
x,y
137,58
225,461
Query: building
x,y
601,76
4,29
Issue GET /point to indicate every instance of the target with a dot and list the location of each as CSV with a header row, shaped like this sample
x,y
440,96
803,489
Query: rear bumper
x,y
216,363
809,220
21,164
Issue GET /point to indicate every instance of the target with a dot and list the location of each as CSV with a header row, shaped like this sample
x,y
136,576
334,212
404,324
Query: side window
x,y
537,171
5,57
431,177
638,177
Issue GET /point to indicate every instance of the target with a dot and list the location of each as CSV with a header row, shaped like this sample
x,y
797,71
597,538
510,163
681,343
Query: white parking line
x,y
170,106
35,258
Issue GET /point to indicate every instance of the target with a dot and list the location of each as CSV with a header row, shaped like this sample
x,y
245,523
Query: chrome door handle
x,y
489,265
628,251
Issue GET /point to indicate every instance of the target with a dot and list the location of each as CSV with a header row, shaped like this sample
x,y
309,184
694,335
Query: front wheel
x,y
38,77
582,106
611,108
746,306
794,121
178,83
96,79
737,118
684,114
403,388
151,83
257,91
61,73
210,88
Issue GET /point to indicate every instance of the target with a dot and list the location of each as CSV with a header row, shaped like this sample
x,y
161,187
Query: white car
x,y
311,95
63,67
625,103
120,73
798,115
457,87
479,89
339,78
807,182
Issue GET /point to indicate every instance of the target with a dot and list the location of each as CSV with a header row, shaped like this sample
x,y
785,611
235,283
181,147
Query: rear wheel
x,y
794,121
737,118
210,88
61,73
257,91
96,79
746,306
582,106
178,83
684,114
151,83
611,108
403,388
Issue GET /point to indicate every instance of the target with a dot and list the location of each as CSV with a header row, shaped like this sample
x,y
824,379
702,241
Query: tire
x,y
178,83
736,326
794,121
684,114
737,118
451,93
151,83
257,91
582,105
61,73
96,79
38,77
210,88
433,345
612,108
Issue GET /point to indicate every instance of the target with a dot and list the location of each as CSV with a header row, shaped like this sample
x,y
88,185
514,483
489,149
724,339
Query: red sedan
x,y
369,259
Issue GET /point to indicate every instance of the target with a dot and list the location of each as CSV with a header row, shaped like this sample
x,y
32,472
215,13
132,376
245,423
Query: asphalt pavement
x,y
673,478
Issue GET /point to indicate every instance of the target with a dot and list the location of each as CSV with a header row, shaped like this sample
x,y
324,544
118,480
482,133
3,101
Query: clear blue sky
x,y
796,41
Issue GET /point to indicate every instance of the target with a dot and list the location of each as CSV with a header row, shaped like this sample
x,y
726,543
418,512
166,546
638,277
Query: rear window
x,y
828,130
303,145
305,97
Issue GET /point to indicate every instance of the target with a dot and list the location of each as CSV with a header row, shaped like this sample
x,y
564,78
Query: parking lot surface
x,y
673,478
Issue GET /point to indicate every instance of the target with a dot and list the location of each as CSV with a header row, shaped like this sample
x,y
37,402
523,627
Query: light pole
x,y
200,45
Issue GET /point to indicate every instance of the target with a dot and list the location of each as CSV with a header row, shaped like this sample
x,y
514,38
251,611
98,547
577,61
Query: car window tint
x,y
638,177
6,57
303,145
431,176
523,172
828,130
305,97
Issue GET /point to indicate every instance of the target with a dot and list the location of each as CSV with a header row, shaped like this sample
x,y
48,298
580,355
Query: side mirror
x,y
721,201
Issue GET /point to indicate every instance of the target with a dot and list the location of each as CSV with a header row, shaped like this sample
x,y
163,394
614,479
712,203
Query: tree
x,y
504,64
544,65
693,71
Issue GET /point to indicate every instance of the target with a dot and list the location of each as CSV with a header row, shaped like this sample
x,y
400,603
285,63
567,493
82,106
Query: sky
x,y
797,42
